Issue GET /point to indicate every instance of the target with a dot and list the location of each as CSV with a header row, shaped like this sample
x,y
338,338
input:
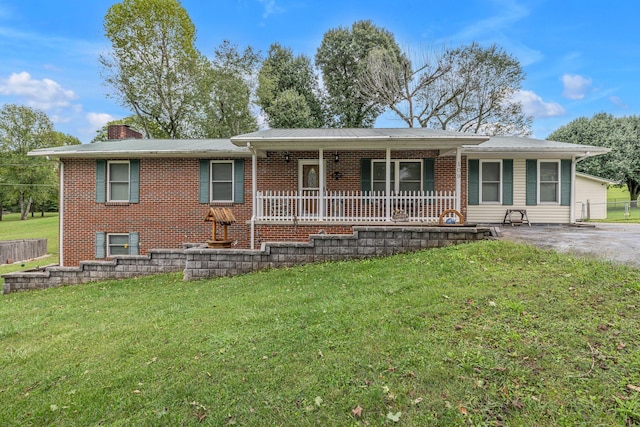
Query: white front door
x,y
309,186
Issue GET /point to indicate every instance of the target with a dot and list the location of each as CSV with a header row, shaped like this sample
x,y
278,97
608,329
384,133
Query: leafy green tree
x,y
24,178
621,134
153,66
467,89
226,88
342,59
288,91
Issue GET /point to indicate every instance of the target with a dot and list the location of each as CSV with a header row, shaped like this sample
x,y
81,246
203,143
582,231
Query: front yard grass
x,y
37,227
490,333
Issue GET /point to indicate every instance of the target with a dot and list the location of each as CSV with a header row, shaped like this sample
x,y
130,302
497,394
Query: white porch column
x,y
254,191
61,218
322,184
458,178
572,213
388,184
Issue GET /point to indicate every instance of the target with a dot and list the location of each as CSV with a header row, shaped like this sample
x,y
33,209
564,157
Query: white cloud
x,y
98,120
618,102
44,94
533,105
575,86
270,8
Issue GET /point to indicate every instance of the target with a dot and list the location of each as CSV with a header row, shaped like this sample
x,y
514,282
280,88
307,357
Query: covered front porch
x,y
345,177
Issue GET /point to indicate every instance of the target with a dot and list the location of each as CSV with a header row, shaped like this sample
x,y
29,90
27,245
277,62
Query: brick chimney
x,y
122,132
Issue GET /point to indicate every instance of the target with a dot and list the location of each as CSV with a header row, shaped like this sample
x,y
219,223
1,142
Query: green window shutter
x,y
532,182
238,181
134,243
474,182
101,181
429,174
134,181
100,245
203,189
565,182
507,182
365,175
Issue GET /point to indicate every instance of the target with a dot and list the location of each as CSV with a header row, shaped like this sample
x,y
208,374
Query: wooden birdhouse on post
x,y
223,217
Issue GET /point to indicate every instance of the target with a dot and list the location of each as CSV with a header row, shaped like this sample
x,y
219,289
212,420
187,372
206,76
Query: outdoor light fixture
x,y
337,157
287,157
336,175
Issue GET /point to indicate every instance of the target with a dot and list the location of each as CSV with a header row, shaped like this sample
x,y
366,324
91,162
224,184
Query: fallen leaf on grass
x,y
394,417
318,401
417,401
136,391
357,411
462,410
633,387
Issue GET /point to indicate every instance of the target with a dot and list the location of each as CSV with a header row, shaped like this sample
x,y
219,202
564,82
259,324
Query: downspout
x,y
458,178
254,187
322,184
61,217
388,184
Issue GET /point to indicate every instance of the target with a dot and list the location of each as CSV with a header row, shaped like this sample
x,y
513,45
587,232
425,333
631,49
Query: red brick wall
x,y
169,213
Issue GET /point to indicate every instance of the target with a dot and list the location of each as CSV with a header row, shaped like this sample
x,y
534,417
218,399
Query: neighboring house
x,y
129,196
591,196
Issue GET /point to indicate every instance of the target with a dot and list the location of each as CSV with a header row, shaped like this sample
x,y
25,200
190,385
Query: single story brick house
x,y
126,196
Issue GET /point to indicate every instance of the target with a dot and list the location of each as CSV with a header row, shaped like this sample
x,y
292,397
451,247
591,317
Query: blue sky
x,y
580,57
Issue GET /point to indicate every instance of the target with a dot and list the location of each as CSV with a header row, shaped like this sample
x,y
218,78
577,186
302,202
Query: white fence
x,y
353,206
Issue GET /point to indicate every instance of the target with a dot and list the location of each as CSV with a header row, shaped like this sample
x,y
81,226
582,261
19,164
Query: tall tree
x,y
467,89
288,91
621,134
153,66
226,88
23,129
342,59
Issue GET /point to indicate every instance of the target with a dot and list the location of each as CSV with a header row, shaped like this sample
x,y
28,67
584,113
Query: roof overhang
x,y
515,147
148,148
356,139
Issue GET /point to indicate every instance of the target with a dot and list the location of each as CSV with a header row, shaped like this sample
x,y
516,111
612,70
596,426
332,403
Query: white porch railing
x,y
353,206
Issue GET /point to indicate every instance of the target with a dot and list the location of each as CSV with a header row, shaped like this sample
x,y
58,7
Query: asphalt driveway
x,y
618,243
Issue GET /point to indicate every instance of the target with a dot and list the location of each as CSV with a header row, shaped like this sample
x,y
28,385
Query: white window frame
x,y
395,177
109,181
558,182
127,245
491,202
211,182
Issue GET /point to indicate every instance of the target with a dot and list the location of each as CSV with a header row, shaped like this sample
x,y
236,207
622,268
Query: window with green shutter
x,y
118,181
473,182
532,182
221,181
112,244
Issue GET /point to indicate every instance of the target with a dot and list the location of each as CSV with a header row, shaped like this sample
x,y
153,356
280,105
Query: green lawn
x,y
617,199
490,333
37,227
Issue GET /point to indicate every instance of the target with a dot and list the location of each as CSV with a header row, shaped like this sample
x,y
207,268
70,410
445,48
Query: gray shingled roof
x,y
510,144
356,139
148,148
357,133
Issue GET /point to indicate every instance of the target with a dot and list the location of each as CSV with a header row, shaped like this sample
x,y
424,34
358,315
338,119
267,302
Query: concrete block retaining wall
x,y
21,250
120,267
365,242
199,262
